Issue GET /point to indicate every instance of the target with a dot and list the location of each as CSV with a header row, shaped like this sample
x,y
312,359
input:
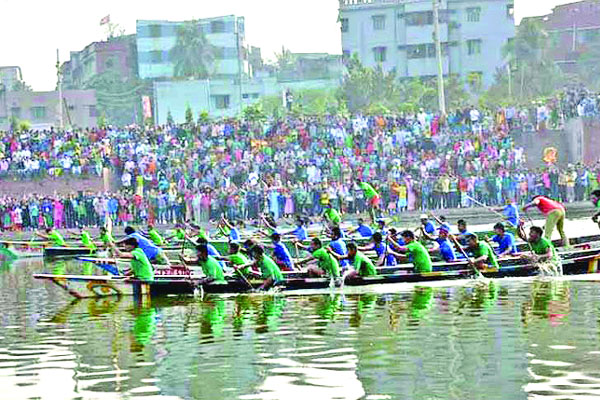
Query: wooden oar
x,y
488,208
464,253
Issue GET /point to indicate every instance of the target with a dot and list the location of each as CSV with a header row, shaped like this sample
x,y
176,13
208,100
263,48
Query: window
x,y
38,113
93,113
426,50
510,10
590,35
344,22
419,18
217,26
378,22
474,46
221,101
255,95
345,55
108,64
15,112
473,14
245,95
156,57
379,53
155,30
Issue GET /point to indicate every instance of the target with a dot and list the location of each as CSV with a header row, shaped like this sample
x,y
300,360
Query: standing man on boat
x,y
372,196
555,216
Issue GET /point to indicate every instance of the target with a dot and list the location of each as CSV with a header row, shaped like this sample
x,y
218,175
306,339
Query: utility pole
x,y
60,96
438,55
239,54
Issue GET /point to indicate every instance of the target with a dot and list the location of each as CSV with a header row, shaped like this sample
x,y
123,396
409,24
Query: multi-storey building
x,y
116,54
155,39
572,28
9,77
398,34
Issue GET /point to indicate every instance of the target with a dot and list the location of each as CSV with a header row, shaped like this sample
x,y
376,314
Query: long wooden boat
x,y
83,286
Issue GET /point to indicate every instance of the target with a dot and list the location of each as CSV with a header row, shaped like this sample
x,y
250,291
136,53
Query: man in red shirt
x,y
555,216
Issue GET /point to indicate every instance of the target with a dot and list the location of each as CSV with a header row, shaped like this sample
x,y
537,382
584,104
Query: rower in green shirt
x,y
327,264
363,266
417,253
542,249
140,265
331,216
485,257
213,273
53,236
237,258
269,270
105,237
156,238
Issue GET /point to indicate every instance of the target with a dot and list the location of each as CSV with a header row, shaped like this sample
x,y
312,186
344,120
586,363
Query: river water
x,y
503,339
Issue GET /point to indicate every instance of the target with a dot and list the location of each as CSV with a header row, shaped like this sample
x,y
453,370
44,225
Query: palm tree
x,y
192,54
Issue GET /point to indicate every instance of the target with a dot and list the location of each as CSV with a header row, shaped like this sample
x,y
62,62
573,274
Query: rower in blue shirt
x,y
281,253
442,245
363,230
511,213
427,225
384,257
463,232
381,227
505,240
300,232
338,246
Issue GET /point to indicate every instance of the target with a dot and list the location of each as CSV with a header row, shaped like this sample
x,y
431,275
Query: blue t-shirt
x,y
381,249
149,249
282,254
462,237
365,231
429,227
339,247
300,233
446,249
445,226
506,242
212,251
512,214
234,234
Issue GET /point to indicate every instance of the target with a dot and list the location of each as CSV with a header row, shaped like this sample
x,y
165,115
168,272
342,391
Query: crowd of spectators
x,y
294,165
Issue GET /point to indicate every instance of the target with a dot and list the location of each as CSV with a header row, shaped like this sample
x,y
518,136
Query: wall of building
x,y
408,35
41,108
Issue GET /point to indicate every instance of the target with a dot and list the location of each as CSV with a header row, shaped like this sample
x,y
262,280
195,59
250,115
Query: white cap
x,y
424,216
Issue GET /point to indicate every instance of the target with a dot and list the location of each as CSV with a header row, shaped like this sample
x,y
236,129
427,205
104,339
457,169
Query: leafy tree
x,y
21,86
170,118
203,117
189,114
254,113
102,120
193,55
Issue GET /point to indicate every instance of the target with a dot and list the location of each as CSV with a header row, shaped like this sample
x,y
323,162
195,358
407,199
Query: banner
x,y
147,107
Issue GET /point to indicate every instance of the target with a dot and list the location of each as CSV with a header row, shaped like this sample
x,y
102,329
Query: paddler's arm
x,y
304,261
41,235
336,255
435,248
521,231
300,245
427,235
533,203
119,253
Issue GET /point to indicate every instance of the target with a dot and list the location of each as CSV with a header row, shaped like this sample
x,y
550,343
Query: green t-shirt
x,y
56,238
269,269
240,259
333,216
212,269
541,248
369,191
180,234
86,240
142,269
484,249
327,262
155,237
107,238
419,257
363,265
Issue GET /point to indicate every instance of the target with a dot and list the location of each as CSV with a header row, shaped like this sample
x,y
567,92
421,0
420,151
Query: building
x,y
117,54
398,34
155,39
9,77
311,66
571,28
41,108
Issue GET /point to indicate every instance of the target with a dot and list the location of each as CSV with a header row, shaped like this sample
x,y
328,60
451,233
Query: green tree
x,y
189,114
21,86
170,118
254,112
193,55
203,117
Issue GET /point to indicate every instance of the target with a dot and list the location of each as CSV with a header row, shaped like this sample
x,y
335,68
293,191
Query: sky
x,y
32,30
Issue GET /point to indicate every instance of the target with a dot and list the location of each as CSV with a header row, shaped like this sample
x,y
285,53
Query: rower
x,y
595,197
542,249
363,230
178,233
269,270
427,225
555,216
381,228
105,237
463,232
505,240
331,216
327,264
140,264
155,254
441,220
484,256
417,253
338,245
54,236
363,266
384,256
442,244
228,229
153,234
237,258
511,212
212,270
86,240
281,253
300,231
